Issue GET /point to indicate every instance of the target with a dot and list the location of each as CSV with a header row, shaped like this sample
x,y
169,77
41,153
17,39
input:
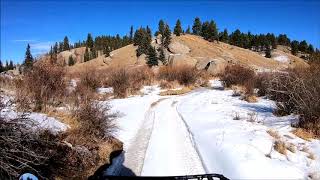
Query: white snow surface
x,y
282,58
195,133
37,120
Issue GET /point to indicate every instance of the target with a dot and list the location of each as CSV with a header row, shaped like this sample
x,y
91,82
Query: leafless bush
x,y
119,80
140,76
262,83
41,86
298,91
238,75
185,75
90,80
95,123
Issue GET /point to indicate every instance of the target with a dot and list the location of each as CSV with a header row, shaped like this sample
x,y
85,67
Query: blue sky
x,y
41,22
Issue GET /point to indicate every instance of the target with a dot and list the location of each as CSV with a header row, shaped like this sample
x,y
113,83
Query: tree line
x,y
142,38
7,66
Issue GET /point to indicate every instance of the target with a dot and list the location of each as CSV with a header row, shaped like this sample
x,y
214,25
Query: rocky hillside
x,y
188,49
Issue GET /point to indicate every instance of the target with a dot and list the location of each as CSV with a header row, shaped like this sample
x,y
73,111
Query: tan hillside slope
x,y
188,49
202,48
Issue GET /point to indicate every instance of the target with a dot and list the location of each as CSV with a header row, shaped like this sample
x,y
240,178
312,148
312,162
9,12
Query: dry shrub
x,y
119,80
95,124
262,83
237,75
280,146
90,79
298,91
41,86
139,77
184,74
129,81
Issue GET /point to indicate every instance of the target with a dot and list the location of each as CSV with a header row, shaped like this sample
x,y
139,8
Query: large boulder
x,y
181,59
213,66
178,48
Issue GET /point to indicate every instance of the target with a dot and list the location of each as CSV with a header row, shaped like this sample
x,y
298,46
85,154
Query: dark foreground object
x,y
188,177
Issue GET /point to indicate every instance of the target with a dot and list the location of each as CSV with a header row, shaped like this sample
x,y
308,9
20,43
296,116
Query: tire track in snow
x,y
135,154
191,136
171,150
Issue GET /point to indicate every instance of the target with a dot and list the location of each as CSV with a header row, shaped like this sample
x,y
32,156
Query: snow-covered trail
x,y
171,150
196,133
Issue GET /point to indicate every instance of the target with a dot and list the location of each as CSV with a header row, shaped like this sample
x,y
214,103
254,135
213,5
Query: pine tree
x,y
11,66
283,40
89,42
294,47
71,61
188,30
162,57
177,29
161,27
268,52
131,34
86,56
1,67
60,46
303,46
28,60
66,44
310,49
106,51
149,33
166,38
225,36
152,59
196,28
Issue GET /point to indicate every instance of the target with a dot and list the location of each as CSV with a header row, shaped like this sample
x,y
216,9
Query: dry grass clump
x,y
280,146
171,92
41,86
291,147
184,74
273,133
169,84
303,134
297,91
139,77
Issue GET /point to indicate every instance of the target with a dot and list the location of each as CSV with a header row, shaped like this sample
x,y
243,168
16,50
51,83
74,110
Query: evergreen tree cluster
x,y
8,66
259,42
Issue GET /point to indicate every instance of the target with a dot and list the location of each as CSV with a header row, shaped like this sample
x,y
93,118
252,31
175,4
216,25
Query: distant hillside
x,y
199,51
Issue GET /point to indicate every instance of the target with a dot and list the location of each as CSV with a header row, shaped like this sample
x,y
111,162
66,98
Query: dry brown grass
x,y
168,84
250,98
280,146
303,134
171,92
291,147
273,133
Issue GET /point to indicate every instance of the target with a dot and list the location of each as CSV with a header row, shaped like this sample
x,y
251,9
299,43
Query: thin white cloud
x,y
40,47
24,40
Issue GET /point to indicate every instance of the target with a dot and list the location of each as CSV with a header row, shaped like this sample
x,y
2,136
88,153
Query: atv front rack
x,y
187,177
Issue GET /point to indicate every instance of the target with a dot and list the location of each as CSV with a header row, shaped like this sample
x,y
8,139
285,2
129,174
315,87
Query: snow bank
x,y
282,59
